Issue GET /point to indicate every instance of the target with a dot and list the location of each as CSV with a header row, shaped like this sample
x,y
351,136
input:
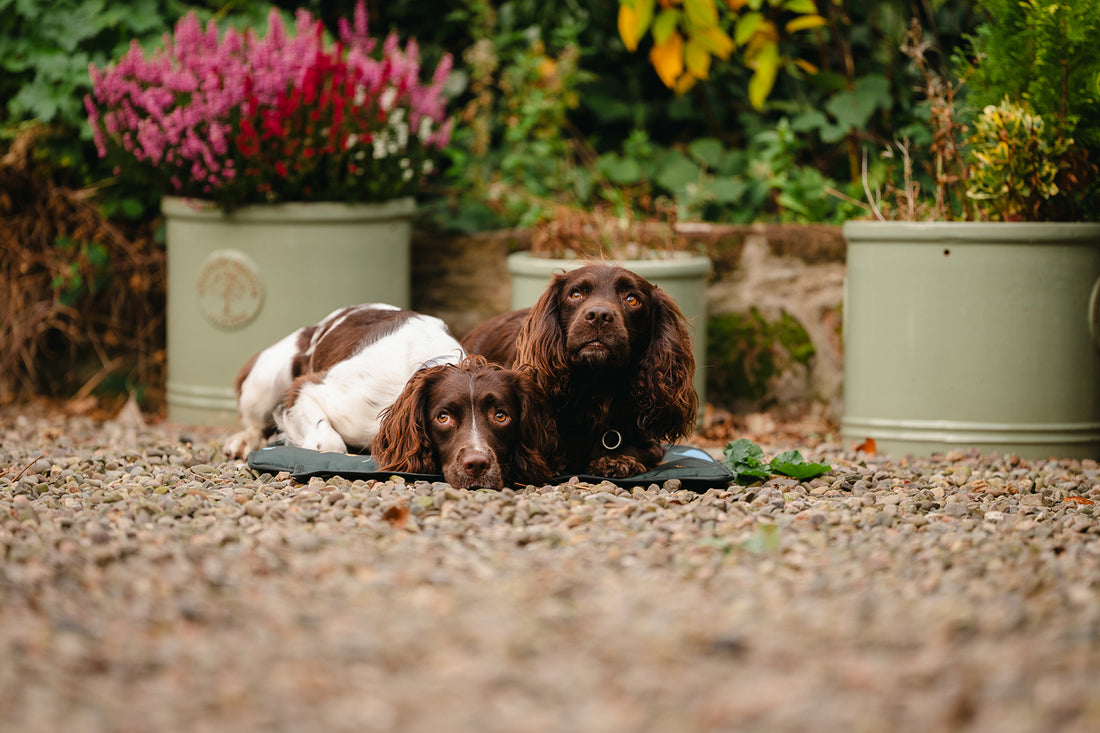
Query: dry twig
x,y
60,308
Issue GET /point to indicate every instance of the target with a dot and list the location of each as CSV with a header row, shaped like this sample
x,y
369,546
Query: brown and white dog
x,y
612,354
478,424
325,385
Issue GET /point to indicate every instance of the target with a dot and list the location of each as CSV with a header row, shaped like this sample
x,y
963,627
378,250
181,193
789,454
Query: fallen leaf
x,y
1078,500
397,515
867,446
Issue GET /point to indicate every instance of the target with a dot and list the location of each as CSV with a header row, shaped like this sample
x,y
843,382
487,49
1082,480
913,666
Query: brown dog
x,y
479,424
612,353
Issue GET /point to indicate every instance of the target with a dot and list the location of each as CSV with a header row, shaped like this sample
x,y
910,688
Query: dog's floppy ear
x,y
536,455
662,387
541,343
403,443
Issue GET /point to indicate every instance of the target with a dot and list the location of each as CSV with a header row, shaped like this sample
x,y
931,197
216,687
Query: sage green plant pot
x,y
239,282
973,334
683,276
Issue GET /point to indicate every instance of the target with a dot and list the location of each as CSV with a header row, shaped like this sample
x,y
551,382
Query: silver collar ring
x,y
612,435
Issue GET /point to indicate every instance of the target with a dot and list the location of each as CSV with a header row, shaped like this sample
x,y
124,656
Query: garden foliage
x,y
556,108
1034,74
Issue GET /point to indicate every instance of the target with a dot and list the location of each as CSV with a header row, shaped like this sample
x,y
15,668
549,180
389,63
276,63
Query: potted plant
x,y
289,163
972,320
568,237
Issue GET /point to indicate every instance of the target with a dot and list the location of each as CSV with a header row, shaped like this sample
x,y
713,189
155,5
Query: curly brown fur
x,y
612,353
478,424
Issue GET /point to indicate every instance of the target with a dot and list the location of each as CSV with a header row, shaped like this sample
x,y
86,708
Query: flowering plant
x,y
246,119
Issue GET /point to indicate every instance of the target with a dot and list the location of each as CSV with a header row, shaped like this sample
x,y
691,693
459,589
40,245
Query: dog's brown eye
x,y
575,295
500,416
632,300
443,418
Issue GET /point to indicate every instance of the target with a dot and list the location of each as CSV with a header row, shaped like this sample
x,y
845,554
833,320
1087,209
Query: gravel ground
x,y
147,584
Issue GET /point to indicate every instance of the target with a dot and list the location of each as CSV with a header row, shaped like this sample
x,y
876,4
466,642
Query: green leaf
x,y
745,460
619,170
764,539
749,476
675,172
743,451
718,543
707,150
854,109
132,208
701,13
809,121
728,190
792,464
746,26
805,7
666,22
98,256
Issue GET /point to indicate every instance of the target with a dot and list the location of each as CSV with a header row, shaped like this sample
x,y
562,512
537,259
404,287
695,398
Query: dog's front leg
x,y
624,461
306,425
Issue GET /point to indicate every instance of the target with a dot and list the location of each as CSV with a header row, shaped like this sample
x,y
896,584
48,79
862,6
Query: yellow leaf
x,y
806,66
717,42
766,34
805,22
701,13
634,20
736,5
685,82
696,58
804,7
746,26
668,59
765,66
547,68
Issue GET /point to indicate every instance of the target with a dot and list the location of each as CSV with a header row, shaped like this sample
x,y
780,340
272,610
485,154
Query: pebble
x,y
156,584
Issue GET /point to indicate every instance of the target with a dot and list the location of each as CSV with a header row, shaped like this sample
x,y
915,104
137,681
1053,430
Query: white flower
x,y
387,98
424,133
381,146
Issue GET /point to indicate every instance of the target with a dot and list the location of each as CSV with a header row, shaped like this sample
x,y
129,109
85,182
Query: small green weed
x,y
745,459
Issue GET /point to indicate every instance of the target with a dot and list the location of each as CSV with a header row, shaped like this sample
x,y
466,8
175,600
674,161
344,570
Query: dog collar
x,y
612,439
438,361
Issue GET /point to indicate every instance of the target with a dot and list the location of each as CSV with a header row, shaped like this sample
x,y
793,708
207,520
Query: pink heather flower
x,y
207,113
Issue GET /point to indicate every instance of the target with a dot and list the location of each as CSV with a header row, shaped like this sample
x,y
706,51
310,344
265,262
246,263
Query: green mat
x,y
695,469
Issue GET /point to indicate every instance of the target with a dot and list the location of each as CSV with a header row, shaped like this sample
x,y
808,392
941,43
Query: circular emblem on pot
x,y
229,288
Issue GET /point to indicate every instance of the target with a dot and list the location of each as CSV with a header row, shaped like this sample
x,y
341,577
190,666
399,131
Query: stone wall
x,y
774,305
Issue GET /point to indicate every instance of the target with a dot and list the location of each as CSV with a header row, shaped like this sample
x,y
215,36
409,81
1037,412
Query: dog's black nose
x,y
599,313
475,464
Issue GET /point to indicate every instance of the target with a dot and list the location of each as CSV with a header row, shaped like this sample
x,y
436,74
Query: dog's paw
x,y
616,466
325,442
240,444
